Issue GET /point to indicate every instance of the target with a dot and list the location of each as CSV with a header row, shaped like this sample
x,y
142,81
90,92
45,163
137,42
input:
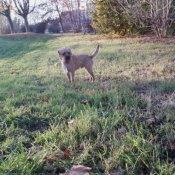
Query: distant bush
x,y
51,26
39,27
171,30
23,29
54,28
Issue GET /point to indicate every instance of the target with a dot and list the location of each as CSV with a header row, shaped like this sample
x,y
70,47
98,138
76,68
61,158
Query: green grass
x,y
123,123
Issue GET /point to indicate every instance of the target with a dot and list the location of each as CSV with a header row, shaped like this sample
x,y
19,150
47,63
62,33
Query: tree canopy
x,y
105,20
23,9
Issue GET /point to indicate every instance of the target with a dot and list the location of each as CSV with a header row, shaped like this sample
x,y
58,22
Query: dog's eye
x,y
68,53
63,53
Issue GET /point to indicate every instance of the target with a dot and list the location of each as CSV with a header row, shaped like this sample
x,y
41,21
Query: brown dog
x,y
71,63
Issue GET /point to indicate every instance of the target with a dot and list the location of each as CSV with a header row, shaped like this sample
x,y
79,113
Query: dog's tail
x,y
96,51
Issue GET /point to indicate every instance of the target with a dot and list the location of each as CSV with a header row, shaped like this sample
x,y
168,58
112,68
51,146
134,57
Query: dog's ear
x,y
59,54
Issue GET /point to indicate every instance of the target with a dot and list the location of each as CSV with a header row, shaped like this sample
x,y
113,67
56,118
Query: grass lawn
x,y
122,124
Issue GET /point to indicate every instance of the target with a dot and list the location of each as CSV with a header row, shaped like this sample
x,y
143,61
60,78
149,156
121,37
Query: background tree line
x,y
51,15
104,16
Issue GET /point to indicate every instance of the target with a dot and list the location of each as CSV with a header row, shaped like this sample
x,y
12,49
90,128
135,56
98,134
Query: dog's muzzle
x,y
67,58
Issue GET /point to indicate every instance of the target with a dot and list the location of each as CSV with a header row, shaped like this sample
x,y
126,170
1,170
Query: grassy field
x,y
122,124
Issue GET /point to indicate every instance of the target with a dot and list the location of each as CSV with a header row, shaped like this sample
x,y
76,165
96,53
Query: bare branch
x,y
158,14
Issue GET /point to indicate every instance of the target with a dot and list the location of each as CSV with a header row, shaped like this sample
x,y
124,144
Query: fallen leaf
x,y
115,172
45,99
12,72
137,82
136,122
78,170
122,129
154,72
57,171
81,147
70,122
35,149
29,159
90,93
151,120
85,101
56,156
66,153
137,70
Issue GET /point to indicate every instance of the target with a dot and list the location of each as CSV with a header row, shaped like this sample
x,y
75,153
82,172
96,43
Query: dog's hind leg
x,y
91,74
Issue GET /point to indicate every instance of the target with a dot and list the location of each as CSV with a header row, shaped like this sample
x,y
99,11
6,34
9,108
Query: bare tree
x,y
52,6
78,10
73,7
23,9
69,5
157,14
4,25
5,10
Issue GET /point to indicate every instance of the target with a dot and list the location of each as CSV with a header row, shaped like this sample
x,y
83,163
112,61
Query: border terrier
x,y
70,63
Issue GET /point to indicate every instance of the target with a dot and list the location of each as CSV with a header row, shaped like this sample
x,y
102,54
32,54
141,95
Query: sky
x,y
34,17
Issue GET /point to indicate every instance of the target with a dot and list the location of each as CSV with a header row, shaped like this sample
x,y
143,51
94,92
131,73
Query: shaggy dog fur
x,y
70,63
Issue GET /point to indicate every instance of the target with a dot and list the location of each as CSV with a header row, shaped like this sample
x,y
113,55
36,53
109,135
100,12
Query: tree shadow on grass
x,y
19,44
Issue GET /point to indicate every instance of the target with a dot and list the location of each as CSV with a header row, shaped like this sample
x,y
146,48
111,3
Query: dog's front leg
x,y
72,76
68,76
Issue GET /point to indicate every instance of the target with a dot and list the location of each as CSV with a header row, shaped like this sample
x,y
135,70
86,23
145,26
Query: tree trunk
x,y
11,24
61,22
70,14
26,24
7,13
79,14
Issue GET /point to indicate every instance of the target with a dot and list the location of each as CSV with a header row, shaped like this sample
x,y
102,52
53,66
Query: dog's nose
x,y
67,57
